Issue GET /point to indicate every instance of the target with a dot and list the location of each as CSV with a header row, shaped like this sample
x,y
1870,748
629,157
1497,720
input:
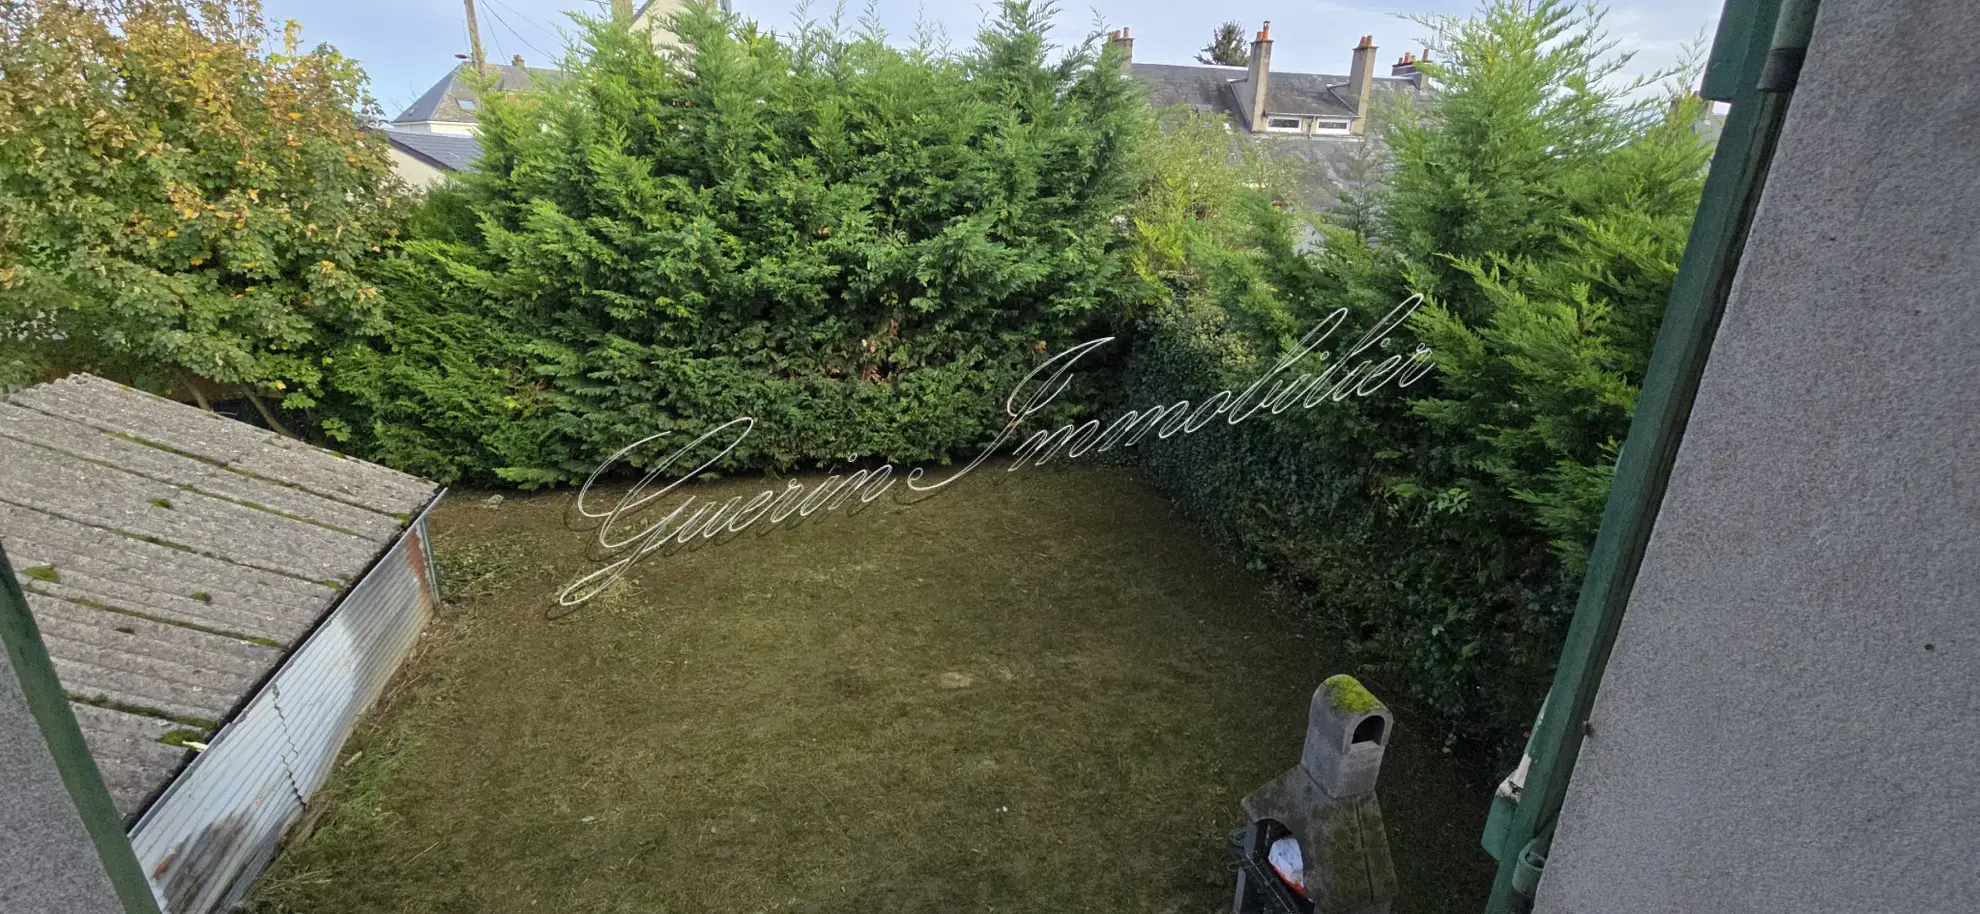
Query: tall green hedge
x,y
1540,206
863,247
858,245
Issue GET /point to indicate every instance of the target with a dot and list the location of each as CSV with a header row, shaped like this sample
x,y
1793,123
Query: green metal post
x,y
50,709
1754,36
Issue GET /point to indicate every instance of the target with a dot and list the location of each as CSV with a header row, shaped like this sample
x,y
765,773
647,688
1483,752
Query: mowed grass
x,y
1035,693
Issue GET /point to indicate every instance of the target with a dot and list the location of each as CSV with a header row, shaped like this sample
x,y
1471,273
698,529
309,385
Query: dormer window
x,y
1330,126
1287,124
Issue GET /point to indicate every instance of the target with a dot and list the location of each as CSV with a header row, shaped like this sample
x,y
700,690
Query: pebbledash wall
x,y
1789,719
220,605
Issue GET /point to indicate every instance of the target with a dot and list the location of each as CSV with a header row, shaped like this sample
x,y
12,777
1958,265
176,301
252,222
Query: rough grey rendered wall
x,y
1791,718
47,863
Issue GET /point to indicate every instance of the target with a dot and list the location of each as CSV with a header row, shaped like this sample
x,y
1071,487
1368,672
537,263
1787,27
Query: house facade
x,y
434,136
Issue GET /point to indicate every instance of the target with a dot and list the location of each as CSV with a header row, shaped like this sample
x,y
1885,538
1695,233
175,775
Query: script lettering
x,y
1031,396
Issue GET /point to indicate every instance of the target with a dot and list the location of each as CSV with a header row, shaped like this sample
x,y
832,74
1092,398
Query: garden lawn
x,y
1035,693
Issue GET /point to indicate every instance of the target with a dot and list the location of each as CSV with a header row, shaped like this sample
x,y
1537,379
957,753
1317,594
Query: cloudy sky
x,y
407,45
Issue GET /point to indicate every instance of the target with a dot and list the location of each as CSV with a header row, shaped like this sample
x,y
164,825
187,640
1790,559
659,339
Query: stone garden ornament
x,y
1318,827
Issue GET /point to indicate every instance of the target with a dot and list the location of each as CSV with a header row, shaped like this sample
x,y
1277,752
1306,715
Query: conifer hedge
x,y
864,247
1540,205
861,246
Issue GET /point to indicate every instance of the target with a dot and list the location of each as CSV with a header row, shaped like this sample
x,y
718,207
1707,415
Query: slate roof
x,y
1325,159
443,101
449,151
1311,93
1212,88
172,557
1200,87
1325,163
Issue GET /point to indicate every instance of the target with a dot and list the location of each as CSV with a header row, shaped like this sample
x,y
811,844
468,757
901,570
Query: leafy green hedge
x,y
862,247
183,195
1441,534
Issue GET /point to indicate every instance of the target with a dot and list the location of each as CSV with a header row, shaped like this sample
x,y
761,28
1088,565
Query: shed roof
x,y
172,557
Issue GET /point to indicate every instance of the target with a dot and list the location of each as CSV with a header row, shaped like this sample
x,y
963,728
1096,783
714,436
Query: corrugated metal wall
x,y
213,831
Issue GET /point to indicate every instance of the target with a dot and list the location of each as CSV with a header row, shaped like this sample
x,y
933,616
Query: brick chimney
x,y
1261,73
1405,67
1125,42
1361,83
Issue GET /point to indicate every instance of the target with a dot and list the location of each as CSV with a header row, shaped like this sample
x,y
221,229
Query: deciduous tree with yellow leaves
x,y
182,194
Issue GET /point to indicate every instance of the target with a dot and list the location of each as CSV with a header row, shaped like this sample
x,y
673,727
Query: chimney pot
x,y
1125,41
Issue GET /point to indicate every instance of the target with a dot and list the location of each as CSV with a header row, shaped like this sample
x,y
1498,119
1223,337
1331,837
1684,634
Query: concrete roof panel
x,y
70,437
118,410
133,762
102,566
172,556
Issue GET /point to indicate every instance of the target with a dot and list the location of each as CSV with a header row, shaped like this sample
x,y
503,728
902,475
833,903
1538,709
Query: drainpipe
x,y
1755,62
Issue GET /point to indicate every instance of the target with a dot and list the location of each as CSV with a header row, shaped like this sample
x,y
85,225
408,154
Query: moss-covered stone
x,y
182,737
1348,696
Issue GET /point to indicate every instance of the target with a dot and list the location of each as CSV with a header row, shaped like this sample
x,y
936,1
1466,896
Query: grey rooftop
x,y
449,151
1209,88
455,97
172,557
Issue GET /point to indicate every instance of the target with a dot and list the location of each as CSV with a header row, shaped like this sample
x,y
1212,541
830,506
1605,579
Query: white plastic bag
x,y
1286,860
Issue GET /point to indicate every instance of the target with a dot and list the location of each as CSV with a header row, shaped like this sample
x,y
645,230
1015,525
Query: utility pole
x,y
474,38
622,11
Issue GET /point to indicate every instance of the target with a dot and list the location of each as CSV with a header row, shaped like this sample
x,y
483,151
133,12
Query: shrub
x,y
175,200
1540,207
860,246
